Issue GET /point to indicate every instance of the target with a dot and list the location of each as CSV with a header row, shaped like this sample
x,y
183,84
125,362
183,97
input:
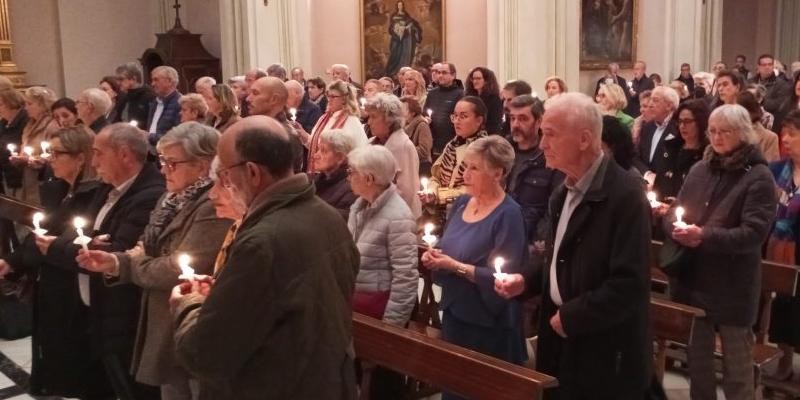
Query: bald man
x,y
293,257
268,96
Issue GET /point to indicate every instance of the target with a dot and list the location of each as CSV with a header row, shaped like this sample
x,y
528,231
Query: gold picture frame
x,y
608,33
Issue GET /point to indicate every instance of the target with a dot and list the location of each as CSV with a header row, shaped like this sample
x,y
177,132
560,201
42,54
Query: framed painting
x,y
608,33
397,34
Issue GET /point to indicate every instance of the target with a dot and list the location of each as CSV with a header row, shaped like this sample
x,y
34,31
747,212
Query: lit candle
x,y
651,197
630,84
429,238
363,101
37,219
187,272
134,123
679,211
429,112
498,265
293,113
45,146
534,94
424,181
12,148
28,150
82,239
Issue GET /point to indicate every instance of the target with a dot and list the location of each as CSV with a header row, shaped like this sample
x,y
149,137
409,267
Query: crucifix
x,y
177,8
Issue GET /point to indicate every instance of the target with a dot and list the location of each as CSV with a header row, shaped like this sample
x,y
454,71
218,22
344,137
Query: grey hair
x,y
582,109
342,67
198,141
167,72
390,106
195,102
338,140
495,151
131,70
98,99
236,79
295,86
374,160
213,169
122,134
738,119
277,70
205,81
668,94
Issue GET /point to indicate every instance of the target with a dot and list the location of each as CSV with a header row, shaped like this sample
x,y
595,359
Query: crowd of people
x,y
214,244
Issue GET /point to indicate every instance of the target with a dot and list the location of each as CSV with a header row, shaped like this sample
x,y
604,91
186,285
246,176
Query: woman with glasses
x,y
62,363
481,82
447,172
223,106
342,113
183,222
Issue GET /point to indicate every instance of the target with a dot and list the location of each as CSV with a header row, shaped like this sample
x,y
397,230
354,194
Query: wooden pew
x,y
673,322
444,365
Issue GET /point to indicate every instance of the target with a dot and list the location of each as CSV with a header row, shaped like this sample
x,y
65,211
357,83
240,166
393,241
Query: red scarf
x,y
321,127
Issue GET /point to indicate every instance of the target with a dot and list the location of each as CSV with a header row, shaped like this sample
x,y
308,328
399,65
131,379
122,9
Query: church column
x,y
8,67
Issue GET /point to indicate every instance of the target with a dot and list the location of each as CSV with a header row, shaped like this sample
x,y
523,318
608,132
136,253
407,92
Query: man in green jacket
x,y
277,322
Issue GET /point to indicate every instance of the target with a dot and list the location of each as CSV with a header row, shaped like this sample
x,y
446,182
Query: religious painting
x,y
608,33
396,34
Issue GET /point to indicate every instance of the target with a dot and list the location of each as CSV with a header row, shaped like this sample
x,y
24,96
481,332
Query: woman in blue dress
x,y
483,224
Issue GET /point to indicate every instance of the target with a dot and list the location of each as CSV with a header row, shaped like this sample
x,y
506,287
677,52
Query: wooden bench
x,y
444,365
670,322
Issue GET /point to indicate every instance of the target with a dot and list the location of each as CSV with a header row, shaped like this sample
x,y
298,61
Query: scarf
x,y
317,134
172,204
450,159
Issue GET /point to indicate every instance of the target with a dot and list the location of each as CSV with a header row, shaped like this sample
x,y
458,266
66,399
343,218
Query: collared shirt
x,y
113,196
575,193
157,115
660,128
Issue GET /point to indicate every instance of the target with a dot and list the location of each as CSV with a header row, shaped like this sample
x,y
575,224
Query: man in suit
x,y
663,102
118,215
165,112
612,76
594,276
639,84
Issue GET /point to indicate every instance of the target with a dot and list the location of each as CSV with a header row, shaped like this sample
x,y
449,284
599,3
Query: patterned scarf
x,y
162,216
450,158
781,244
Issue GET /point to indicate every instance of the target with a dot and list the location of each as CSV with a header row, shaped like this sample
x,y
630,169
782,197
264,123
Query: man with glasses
x,y
776,101
441,102
663,102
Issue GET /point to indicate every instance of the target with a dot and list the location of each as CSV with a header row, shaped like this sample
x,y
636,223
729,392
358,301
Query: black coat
x,y
138,103
642,160
531,188
674,164
779,90
494,118
604,281
11,132
442,101
114,310
61,362
638,86
335,190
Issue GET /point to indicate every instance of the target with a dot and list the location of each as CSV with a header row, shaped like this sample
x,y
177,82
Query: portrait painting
x,y
608,33
398,34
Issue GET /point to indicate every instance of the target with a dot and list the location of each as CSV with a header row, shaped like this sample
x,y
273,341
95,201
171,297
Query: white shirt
x,y
157,115
575,195
660,128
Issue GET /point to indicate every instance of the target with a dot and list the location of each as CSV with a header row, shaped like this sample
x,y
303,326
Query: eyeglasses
x,y
459,117
686,121
57,153
331,95
171,165
713,132
223,172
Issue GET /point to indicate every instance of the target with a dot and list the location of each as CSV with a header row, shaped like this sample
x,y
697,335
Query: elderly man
x,y
117,218
203,84
661,128
593,275
133,104
612,76
441,101
298,74
268,97
778,90
306,112
165,112
639,84
342,73
278,272
277,71
92,106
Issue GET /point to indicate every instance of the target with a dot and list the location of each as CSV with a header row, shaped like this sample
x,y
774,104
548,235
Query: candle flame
x,y
187,272
11,147
651,196
534,94
429,228
79,223
679,213
424,182
134,123
28,150
430,112
37,218
45,145
498,264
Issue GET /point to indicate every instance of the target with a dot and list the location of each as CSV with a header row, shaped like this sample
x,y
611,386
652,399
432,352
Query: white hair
x,y
391,108
374,160
704,76
340,67
167,72
198,141
338,141
669,94
737,119
295,87
582,109
205,81
236,79
98,99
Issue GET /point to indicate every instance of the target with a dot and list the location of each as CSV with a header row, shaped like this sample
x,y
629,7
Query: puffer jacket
x,y
384,234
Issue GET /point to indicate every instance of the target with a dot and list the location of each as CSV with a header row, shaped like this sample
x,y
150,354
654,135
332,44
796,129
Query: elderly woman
x,y
223,106
193,108
481,82
612,101
65,112
330,160
38,101
110,85
419,131
447,180
484,225
767,139
62,364
342,113
13,119
554,86
184,222
92,105
729,202
385,113
414,86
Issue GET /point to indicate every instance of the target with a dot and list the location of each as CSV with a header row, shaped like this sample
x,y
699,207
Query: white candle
x,y
45,145
424,181
293,113
134,123
363,101
187,272
630,84
498,265
679,211
28,150
37,220
651,197
82,239
429,238
12,148
430,112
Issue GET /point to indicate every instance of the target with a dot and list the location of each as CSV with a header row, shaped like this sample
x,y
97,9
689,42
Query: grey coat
x,y
196,231
724,277
384,235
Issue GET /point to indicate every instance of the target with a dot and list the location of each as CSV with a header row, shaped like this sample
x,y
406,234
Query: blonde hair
x,y
349,92
195,102
615,94
42,95
421,88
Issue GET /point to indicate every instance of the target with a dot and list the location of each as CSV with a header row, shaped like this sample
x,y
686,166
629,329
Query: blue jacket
x,y
170,117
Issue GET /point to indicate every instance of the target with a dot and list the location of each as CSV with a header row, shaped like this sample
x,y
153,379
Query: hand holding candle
x,y
429,238
28,150
363,101
424,182
82,239
12,148
679,212
293,113
498,265
45,145
651,197
429,112
187,272
37,220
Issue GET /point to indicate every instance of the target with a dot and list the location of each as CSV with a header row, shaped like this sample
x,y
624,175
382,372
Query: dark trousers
x,y
122,381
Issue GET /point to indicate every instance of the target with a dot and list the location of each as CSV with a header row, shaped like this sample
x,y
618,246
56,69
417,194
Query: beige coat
x,y
32,135
767,143
407,178
196,231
